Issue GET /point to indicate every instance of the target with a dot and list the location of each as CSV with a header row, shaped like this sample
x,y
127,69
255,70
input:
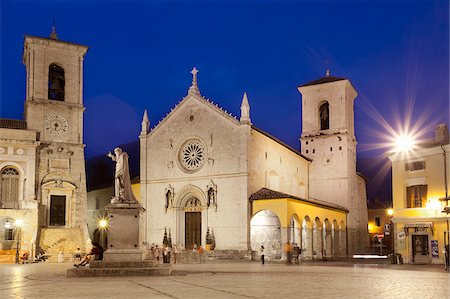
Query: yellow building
x,y
420,186
317,227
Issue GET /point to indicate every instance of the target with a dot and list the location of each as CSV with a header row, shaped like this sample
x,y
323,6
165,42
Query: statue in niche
x,y
211,197
169,197
122,184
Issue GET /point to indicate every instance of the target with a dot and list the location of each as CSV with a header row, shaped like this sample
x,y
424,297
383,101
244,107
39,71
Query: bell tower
x,y
54,109
328,138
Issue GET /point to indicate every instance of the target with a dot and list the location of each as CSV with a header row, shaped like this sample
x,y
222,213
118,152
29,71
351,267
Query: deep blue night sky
x,y
396,53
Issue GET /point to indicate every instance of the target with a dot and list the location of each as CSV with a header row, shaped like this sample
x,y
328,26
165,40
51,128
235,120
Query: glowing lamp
x,y
103,223
390,212
404,143
19,223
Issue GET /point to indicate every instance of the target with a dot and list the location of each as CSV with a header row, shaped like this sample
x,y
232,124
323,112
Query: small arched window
x,y
56,82
9,188
324,114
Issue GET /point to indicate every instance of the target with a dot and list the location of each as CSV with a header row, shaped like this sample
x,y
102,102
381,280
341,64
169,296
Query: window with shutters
x,y
416,196
9,188
413,166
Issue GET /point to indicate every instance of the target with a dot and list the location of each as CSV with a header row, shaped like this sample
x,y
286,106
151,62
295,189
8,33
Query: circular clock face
x,y
192,155
56,124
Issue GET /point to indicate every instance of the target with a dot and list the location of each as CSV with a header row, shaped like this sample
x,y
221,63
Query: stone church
x,y
205,173
43,182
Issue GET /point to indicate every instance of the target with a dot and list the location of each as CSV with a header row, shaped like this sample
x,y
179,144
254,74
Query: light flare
x,y
102,223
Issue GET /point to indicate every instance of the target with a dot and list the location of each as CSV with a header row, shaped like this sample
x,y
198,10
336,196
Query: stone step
x,y
104,272
107,264
53,240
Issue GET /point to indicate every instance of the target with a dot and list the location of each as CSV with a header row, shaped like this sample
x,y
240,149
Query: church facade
x,y
43,197
205,172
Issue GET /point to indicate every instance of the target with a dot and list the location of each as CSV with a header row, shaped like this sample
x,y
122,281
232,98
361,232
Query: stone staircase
x,y
191,257
7,256
67,240
104,269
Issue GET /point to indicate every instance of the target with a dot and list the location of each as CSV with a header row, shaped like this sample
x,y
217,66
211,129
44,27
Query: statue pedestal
x,y
123,232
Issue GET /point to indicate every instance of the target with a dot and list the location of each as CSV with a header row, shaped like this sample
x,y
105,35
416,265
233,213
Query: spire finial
x,y
245,110
145,124
53,35
194,87
327,73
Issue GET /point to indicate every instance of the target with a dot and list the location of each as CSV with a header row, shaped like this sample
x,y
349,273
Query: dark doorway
x,y
57,210
193,231
420,247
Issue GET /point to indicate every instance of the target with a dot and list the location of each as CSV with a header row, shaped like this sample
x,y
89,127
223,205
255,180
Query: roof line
x,y
280,195
201,99
55,40
280,142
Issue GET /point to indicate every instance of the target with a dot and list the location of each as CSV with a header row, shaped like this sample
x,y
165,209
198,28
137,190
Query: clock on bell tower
x,y
54,89
54,109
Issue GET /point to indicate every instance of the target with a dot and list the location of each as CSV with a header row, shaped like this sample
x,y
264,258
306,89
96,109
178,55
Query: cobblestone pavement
x,y
234,280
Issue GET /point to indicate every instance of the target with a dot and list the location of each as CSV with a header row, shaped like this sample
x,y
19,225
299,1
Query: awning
x,y
421,225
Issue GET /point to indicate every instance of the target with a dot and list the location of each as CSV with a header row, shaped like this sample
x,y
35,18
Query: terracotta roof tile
x,y
323,80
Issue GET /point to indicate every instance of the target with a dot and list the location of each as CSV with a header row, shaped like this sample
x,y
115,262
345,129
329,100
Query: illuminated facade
x,y
43,182
201,169
420,185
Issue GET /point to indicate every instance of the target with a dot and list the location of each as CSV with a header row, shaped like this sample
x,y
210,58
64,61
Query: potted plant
x,y
208,240
213,240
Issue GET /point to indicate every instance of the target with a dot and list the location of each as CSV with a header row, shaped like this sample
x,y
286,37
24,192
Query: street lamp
x,y
18,224
102,225
404,143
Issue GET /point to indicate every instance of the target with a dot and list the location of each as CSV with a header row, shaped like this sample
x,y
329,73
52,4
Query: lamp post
x,y
390,213
446,209
18,225
402,145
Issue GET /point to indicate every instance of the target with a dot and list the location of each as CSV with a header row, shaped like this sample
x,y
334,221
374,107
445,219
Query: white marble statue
x,y
122,186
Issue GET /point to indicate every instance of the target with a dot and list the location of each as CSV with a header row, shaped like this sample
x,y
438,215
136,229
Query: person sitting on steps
x,y
96,253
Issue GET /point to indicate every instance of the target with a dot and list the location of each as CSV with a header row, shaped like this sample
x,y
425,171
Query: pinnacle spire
x,y
245,110
327,72
194,87
145,124
53,35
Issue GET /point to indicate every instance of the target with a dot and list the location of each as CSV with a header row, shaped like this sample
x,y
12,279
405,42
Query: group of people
x,y
292,251
166,252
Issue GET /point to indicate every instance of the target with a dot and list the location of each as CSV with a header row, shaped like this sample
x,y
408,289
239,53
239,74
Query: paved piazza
x,y
233,280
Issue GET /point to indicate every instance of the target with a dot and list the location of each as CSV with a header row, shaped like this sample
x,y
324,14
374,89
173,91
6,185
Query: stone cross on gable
x,y
194,76
194,88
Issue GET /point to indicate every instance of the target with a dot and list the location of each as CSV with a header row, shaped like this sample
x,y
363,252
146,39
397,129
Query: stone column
x,y
284,240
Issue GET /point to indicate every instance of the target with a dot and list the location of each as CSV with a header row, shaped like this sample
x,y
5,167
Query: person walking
x,y
297,252
288,250
201,254
157,253
176,254
262,252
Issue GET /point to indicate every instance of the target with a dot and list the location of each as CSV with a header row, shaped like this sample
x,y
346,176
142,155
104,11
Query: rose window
x,y
192,155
